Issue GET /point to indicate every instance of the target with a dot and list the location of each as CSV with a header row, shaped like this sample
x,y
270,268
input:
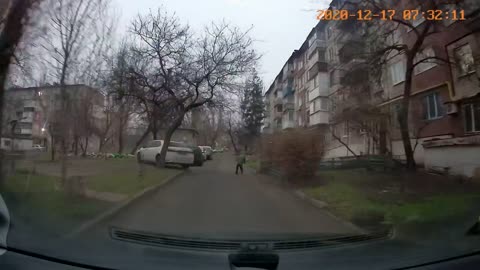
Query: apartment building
x,y
298,97
359,116
29,112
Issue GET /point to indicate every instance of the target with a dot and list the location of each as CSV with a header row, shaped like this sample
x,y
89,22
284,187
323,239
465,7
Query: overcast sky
x,y
279,26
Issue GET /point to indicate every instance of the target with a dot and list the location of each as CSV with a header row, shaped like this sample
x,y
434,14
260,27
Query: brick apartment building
x,y
445,102
33,110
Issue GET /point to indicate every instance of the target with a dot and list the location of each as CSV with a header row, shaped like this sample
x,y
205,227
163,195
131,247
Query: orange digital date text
x,y
390,14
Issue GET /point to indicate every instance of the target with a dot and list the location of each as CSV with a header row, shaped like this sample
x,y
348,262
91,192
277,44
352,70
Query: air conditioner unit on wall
x,y
452,108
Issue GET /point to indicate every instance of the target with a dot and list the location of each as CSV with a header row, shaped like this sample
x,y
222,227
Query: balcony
x,y
277,115
345,109
27,117
357,75
319,91
319,118
317,63
351,51
286,124
353,27
288,91
317,44
277,101
288,106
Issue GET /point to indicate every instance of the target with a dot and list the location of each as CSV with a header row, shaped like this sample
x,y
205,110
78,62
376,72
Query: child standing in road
x,y
241,159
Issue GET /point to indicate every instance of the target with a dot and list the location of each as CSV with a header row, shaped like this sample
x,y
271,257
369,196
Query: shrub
x,y
295,152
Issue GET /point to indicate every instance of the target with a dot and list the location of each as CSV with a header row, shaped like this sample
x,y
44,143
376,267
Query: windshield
x,y
301,121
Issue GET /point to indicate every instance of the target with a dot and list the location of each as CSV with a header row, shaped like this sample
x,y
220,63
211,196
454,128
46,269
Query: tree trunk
x,y
168,136
404,115
121,126
100,144
154,129
232,137
12,32
84,149
75,146
63,122
120,142
52,148
383,138
139,142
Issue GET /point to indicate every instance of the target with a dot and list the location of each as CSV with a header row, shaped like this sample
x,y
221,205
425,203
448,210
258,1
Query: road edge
x,y
322,205
114,210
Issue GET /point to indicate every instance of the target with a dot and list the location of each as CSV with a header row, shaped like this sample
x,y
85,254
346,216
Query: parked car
x,y
38,148
198,156
178,153
218,150
208,151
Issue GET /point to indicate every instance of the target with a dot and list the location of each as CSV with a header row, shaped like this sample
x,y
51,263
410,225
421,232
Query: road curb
x,y
322,205
114,210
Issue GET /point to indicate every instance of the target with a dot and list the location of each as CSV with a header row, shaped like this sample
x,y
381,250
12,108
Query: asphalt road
x,y
211,201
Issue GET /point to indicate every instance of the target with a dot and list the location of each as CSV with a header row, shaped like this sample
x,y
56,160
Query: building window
x,y
290,116
472,117
428,64
323,104
464,60
332,78
397,71
279,109
433,106
317,105
315,81
28,109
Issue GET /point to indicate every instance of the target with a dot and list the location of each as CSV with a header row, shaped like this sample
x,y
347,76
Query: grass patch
x,y
252,163
359,197
345,200
129,182
431,209
34,200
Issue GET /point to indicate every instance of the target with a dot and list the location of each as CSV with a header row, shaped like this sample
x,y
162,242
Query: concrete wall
x,y
461,160
399,153
23,144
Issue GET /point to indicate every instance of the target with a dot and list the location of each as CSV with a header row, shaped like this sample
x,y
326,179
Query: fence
x,y
368,162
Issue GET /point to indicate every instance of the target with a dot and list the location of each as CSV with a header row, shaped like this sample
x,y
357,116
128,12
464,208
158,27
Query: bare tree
x,y
210,125
119,82
234,133
183,72
104,128
72,43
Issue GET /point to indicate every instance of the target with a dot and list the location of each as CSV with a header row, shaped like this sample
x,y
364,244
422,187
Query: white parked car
x,y
178,153
39,148
207,152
